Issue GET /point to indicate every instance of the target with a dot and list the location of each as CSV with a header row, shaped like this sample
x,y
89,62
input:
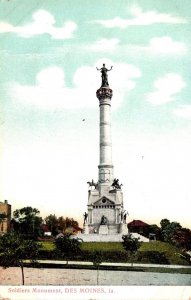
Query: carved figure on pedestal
x,y
104,75
103,220
125,218
85,217
121,216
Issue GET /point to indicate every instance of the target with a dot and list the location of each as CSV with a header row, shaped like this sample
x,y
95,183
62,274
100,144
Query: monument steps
x,y
100,237
141,237
94,237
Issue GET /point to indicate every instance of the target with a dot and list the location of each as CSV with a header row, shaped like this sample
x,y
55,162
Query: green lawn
x,y
103,246
172,253
89,246
49,246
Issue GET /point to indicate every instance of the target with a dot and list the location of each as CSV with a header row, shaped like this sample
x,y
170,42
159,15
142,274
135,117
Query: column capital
x,y
104,92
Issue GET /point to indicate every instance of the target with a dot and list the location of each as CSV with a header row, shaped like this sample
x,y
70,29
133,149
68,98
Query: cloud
x,y
43,22
183,111
53,76
51,92
166,88
166,45
141,18
6,27
103,45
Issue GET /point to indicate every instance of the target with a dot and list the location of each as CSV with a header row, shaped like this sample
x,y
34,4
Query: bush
x,y
153,257
67,247
130,244
47,254
110,256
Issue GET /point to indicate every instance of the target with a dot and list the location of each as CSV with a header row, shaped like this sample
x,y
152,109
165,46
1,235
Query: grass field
x,y
49,246
173,254
103,246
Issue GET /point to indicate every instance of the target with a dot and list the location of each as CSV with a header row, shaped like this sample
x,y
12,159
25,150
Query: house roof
x,y
137,223
45,228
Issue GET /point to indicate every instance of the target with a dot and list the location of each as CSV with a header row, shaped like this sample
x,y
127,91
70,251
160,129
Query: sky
x,y
49,51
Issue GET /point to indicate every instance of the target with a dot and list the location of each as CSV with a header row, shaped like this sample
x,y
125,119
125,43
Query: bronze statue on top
x,y
104,75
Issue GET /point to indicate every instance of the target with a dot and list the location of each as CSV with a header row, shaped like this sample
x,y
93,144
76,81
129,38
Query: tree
x,y
60,224
174,233
70,222
65,223
155,230
130,244
27,221
182,238
164,223
67,246
52,222
97,258
14,250
169,231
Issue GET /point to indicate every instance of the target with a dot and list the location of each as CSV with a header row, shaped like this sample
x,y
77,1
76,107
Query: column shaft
x,y
105,160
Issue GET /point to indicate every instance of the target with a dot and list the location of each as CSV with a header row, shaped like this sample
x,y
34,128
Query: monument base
x,y
123,228
85,229
103,229
95,237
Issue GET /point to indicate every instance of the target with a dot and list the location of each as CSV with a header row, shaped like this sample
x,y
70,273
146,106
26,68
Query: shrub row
x,y
111,256
153,257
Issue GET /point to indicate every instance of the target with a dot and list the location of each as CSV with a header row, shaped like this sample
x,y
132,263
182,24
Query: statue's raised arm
x,y
104,75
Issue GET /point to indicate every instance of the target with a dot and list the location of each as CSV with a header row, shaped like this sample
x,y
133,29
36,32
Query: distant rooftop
x,y
137,223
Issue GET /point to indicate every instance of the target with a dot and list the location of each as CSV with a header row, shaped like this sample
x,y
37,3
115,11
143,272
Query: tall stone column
x,y
105,200
104,94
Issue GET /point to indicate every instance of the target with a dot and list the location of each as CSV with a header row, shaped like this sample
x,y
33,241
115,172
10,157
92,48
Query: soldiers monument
x,y
105,219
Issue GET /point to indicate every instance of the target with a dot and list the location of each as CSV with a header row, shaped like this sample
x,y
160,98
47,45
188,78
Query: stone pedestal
x,y
85,229
123,228
103,229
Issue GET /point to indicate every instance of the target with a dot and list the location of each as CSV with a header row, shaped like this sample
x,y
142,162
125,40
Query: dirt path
x,y
33,276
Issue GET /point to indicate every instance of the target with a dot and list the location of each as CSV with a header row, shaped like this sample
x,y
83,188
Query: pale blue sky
x,y
48,80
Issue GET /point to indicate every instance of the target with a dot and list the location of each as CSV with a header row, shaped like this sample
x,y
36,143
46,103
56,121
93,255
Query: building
x,y
5,217
138,226
45,229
